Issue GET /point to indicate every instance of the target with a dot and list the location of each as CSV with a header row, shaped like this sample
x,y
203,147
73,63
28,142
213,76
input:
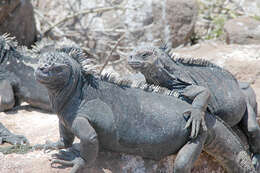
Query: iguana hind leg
x,y
188,154
7,99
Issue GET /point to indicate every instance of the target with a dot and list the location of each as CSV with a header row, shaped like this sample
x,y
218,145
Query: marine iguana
x,y
17,71
17,66
17,82
129,120
205,85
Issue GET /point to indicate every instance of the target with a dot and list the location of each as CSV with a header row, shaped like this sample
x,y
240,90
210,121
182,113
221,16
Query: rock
x,y
39,127
250,7
179,16
242,30
16,18
241,60
141,21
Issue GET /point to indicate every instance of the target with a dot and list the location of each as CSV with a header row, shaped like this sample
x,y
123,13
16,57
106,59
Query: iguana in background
x,y
129,120
17,72
204,85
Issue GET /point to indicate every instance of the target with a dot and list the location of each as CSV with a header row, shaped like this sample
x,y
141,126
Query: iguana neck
x,y
61,97
158,72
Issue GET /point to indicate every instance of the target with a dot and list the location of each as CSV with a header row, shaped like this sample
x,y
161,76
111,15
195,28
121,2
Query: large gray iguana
x,y
129,120
205,85
17,81
17,65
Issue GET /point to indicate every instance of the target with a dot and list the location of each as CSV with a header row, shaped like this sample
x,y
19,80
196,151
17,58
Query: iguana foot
x,y
49,146
14,139
69,159
195,119
256,162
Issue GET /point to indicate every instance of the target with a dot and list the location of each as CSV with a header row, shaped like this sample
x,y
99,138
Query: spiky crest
x,y
108,77
199,62
8,41
194,61
39,46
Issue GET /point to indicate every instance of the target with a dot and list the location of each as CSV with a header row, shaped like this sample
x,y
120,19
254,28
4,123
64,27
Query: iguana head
x,y
142,57
59,71
55,69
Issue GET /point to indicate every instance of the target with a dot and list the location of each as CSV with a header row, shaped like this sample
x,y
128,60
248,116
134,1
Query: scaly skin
x,y
129,120
210,86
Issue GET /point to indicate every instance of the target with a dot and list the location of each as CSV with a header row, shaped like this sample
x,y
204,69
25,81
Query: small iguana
x,y
129,120
205,85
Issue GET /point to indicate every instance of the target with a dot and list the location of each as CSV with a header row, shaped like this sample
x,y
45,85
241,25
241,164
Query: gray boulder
x,y
180,18
242,30
16,18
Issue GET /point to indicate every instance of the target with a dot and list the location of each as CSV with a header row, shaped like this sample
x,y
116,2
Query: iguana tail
x,y
227,148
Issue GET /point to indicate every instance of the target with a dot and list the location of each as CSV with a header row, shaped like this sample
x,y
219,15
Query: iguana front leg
x,y
88,146
66,139
200,96
7,136
7,99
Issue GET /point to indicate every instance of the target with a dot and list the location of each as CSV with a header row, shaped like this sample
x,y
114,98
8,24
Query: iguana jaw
x,y
135,64
42,75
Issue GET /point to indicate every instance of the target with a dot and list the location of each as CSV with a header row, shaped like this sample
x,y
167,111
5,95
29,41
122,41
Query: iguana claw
x,y
49,146
15,139
68,159
256,162
195,120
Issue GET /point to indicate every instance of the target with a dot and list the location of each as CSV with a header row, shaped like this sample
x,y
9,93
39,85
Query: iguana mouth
x,y
135,64
42,74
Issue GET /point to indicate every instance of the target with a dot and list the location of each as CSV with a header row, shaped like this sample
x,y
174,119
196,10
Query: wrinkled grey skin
x,y
203,84
129,120
17,84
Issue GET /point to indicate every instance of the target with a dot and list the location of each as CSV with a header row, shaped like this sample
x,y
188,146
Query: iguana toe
x,y
256,162
77,164
66,155
49,146
16,139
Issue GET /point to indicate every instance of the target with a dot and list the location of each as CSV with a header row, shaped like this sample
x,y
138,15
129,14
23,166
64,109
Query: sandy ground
x,y
37,127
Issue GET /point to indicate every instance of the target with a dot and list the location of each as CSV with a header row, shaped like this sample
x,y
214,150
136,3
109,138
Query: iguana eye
x,y
144,55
